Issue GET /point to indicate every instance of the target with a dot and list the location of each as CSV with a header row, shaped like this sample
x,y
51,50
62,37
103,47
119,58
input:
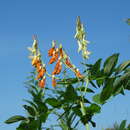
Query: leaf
x,y
122,66
100,82
70,94
127,70
32,92
93,109
68,81
123,80
31,103
85,100
33,125
77,110
43,117
22,126
110,64
122,125
42,107
96,99
93,123
30,110
29,82
107,90
14,119
94,71
53,102
127,85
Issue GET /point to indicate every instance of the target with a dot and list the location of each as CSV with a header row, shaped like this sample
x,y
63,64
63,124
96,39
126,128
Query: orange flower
x,y
41,73
61,52
78,74
67,62
57,68
53,81
51,51
38,67
54,57
42,82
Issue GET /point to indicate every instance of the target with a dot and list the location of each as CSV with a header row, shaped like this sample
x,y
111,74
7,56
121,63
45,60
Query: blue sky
x,y
55,20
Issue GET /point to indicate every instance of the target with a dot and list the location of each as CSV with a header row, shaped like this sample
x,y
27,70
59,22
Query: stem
x,y
40,125
87,126
87,82
84,113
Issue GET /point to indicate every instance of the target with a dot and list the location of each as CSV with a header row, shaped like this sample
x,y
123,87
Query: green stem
x,y
87,83
87,126
40,126
84,113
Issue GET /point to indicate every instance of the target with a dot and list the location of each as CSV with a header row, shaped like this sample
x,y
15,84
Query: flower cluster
x,y
37,63
59,56
81,39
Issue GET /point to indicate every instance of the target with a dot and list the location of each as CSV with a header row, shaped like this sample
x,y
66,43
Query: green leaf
x,y
85,119
93,109
123,80
43,117
96,99
95,69
107,90
23,126
110,63
127,85
127,70
33,125
31,103
85,100
70,94
122,125
123,66
93,123
32,92
29,82
77,110
15,119
42,107
53,102
30,110
100,82
68,81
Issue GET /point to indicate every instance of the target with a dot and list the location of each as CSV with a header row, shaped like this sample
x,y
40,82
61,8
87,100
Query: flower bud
x,y
41,73
54,57
53,81
41,83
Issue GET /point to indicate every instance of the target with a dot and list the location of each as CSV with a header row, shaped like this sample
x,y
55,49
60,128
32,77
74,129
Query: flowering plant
x,y
69,100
